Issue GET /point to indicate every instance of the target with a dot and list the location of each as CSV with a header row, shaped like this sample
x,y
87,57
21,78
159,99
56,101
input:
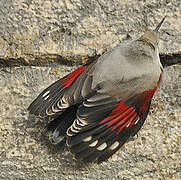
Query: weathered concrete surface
x,y
31,29
155,154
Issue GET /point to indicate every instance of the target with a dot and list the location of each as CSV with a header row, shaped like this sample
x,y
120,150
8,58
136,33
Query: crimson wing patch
x,y
103,125
58,96
122,116
70,78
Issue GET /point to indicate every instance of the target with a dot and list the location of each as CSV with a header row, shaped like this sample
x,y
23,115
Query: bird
x,y
99,106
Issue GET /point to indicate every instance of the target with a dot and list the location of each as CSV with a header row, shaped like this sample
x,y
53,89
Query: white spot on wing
x,y
59,104
74,125
46,97
128,124
73,130
102,147
62,105
114,145
137,121
87,139
49,113
97,97
93,144
88,104
81,122
46,93
69,132
63,99
55,110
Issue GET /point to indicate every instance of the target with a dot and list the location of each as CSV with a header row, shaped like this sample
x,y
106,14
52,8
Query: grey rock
x,y
25,154
43,32
31,29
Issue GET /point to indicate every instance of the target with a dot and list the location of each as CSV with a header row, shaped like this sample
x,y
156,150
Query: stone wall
x,y
36,35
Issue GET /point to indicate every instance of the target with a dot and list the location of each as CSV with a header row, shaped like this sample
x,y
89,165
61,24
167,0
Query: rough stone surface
x,y
40,32
31,29
24,154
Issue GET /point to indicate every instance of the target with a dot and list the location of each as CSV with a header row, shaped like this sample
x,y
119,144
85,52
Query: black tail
x,y
56,129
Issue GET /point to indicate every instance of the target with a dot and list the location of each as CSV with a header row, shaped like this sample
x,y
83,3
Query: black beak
x,y
159,25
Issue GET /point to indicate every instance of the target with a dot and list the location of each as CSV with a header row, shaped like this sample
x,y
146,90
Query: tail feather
x,y
57,128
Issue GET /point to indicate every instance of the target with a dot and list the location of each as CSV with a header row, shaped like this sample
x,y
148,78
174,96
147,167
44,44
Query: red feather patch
x,y
70,78
144,98
126,116
122,116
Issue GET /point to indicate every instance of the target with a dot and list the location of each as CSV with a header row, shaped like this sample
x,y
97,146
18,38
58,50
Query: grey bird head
x,y
151,37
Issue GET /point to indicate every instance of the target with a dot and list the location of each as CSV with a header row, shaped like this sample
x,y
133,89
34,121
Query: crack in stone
x,y
166,60
170,59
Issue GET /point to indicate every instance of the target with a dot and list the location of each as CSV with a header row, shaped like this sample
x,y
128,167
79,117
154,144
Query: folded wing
x,y
103,124
69,90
